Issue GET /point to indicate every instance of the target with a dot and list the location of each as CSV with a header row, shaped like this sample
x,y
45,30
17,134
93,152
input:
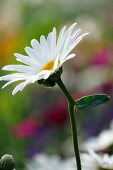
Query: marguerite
x,y
44,58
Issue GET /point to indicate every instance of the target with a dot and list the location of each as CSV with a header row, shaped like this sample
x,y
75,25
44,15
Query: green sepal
x,y
47,82
91,101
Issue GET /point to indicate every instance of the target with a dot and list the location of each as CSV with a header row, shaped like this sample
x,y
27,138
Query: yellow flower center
x,y
48,66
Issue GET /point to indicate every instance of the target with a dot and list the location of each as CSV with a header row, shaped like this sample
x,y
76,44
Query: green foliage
x,y
12,110
90,101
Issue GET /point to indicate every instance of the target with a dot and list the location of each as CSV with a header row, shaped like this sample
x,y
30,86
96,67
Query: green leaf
x,y
90,101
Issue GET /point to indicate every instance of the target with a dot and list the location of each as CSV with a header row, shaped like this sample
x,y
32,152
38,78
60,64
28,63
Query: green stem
x,y
65,91
72,120
74,134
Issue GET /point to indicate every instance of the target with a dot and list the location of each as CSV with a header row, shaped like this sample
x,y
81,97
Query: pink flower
x,y
26,129
102,57
57,115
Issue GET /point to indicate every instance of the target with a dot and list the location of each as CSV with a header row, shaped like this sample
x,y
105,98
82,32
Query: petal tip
x,y
1,79
33,40
75,23
86,33
26,48
13,93
16,55
3,68
3,87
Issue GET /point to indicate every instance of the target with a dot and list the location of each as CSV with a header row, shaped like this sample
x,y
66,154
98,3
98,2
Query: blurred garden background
x,y
36,119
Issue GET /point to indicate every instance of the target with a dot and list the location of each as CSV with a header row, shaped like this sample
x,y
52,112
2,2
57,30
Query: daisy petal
x,y
26,60
74,44
51,39
75,34
20,68
36,46
31,53
47,75
54,42
44,45
14,76
60,39
44,74
56,63
20,87
68,58
68,37
10,82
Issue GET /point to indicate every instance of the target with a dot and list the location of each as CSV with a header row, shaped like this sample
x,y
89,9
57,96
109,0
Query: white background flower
x,y
44,58
102,141
89,161
46,162
93,161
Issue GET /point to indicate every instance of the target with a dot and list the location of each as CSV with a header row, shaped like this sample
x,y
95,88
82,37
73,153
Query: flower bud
x,y
7,162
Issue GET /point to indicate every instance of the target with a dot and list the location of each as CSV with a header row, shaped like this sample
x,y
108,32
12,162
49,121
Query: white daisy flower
x,y
103,141
93,161
44,58
46,162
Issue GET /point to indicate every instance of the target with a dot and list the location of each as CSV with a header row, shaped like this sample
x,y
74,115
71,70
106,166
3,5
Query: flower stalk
x,y
71,106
